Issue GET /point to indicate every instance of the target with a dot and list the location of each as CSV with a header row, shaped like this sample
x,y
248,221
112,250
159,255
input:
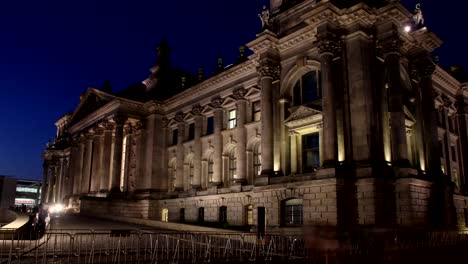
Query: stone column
x,y
197,147
269,71
60,180
241,137
179,182
328,47
78,167
45,181
106,157
97,160
218,141
85,184
391,50
134,157
118,134
294,152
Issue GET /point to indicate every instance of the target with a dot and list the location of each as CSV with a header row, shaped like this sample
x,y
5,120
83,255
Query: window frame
x,y
232,120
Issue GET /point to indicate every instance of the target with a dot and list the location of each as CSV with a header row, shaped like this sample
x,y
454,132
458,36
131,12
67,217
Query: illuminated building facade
x,y
340,117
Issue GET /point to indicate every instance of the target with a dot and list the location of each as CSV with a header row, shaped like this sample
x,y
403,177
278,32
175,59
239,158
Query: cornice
x,y
210,86
446,81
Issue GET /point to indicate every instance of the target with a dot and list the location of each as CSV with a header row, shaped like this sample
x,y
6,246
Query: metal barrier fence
x,y
146,246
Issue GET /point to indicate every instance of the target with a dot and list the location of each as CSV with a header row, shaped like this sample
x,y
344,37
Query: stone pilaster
x,y
329,47
85,184
269,71
361,103
197,147
179,182
462,120
78,167
285,155
60,180
217,141
425,68
96,171
391,49
241,136
104,185
134,157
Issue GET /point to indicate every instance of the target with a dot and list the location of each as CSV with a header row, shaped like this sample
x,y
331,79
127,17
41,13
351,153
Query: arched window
x,y
210,168
291,210
257,159
232,164
307,88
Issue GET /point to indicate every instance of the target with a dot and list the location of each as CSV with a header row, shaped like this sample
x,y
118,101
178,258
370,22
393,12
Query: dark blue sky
x,y
52,50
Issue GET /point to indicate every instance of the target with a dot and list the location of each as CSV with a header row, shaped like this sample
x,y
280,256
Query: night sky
x,y
52,50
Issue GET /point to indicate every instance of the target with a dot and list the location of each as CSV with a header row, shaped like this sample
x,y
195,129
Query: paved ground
x,y
71,222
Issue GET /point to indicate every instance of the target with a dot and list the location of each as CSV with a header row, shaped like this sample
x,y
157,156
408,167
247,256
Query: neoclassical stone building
x,y
340,116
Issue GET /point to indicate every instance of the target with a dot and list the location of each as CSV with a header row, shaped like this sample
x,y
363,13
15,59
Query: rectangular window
x,y
232,119
441,148
210,170
210,125
249,215
450,123
454,153
175,135
191,131
256,111
310,152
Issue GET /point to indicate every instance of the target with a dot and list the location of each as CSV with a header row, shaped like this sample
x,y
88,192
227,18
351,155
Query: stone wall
x,y
412,199
116,207
460,203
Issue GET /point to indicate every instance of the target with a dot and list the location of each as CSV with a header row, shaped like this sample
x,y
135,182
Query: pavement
x,y
80,222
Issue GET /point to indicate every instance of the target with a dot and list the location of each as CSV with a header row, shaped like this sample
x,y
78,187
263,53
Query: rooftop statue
x,y
418,17
265,18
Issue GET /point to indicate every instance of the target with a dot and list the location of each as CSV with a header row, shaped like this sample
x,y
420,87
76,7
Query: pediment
x,y
91,101
302,112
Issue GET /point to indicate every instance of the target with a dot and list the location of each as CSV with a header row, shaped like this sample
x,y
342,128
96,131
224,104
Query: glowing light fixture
x,y
407,28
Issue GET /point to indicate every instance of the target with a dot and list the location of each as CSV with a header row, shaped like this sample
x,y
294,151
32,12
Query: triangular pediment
x,y
302,112
91,101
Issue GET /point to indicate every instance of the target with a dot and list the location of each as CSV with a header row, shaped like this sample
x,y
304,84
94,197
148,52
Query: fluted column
x,y
197,147
328,47
241,137
179,183
117,152
85,185
218,141
106,157
269,71
97,160
391,50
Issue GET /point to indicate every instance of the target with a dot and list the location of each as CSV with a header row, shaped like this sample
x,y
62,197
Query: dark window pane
x,y
175,134
191,131
297,94
310,90
310,152
210,125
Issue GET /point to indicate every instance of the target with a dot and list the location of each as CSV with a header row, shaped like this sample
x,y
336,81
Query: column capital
x,y
390,45
107,125
217,102
118,120
239,94
329,47
97,131
179,117
424,66
269,68
197,110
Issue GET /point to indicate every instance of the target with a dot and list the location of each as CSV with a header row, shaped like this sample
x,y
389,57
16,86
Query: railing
x,y
149,246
